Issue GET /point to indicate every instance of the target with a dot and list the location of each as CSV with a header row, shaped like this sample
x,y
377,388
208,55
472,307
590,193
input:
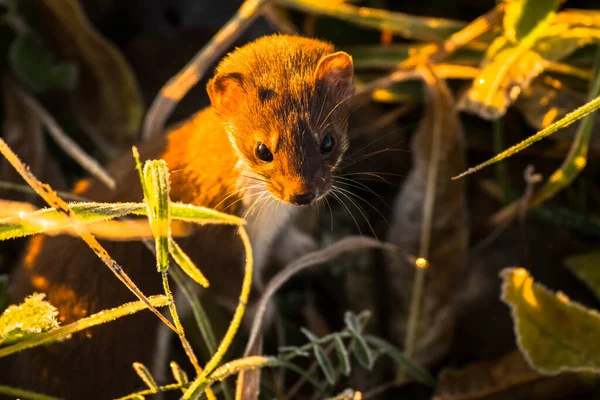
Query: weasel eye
x,y
327,144
264,153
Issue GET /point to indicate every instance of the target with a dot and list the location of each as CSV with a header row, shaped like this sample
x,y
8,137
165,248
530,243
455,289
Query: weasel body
x,y
271,141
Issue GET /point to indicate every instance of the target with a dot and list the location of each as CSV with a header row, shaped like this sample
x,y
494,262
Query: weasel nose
x,y
301,199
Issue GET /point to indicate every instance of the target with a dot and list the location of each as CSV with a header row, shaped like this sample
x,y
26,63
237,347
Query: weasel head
x,y
284,103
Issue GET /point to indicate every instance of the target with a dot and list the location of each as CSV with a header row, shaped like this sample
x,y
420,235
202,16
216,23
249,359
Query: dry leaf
x,y
483,379
448,244
509,378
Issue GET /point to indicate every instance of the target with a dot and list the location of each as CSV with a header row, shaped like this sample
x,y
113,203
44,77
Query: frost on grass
x,y
554,333
33,316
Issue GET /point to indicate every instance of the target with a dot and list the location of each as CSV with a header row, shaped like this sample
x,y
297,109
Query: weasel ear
x,y
336,71
226,92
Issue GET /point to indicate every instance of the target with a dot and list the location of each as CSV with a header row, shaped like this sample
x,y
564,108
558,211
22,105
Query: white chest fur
x,y
266,218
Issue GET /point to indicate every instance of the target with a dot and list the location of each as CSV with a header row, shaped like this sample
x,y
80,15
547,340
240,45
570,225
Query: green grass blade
x,y
156,192
49,219
391,351
24,394
96,319
577,157
563,122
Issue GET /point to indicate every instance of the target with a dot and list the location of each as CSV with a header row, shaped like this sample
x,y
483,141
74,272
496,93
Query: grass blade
x,y
82,324
24,394
563,122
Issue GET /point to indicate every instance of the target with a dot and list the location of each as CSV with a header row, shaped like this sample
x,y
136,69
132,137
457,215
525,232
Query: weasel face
x,y
297,153
288,119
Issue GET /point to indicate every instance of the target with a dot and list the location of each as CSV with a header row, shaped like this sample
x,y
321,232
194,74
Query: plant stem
x,y
180,84
198,385
501,167
24,394
427,217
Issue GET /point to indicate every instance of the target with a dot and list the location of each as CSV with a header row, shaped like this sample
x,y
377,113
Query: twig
x,y
346,244
427,218
65,142
277,21
180,84
24,394
199,383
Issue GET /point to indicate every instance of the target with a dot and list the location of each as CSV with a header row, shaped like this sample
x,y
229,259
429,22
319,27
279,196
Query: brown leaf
x,y
23,132
107,93
482,379
447,249
507,378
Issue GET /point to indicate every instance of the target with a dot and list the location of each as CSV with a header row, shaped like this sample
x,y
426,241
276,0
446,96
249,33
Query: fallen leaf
x,y
483,379
510,377
447,250
554,333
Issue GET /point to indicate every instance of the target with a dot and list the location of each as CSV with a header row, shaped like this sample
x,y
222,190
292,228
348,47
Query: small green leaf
x,y
32,62
554,333
321,356
325,364
180,375
393,352
587,268
363,353
342,355
186,264
523,16
33,316
145,375
352,322
311,336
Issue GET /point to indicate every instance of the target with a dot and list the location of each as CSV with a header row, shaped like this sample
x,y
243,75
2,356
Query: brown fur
x,y
288,89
